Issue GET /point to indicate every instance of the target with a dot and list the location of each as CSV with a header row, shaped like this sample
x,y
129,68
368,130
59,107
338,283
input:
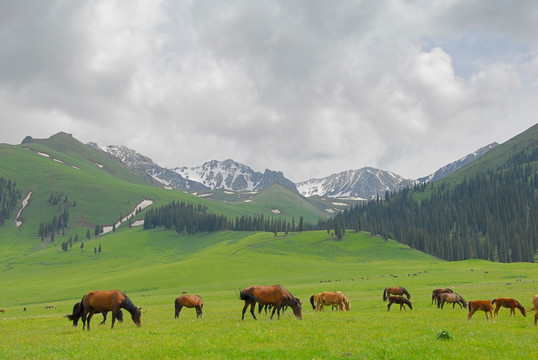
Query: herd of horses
x,y
277,298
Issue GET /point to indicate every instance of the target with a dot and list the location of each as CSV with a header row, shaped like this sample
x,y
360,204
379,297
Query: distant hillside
x,y
74,189
450,168
487,209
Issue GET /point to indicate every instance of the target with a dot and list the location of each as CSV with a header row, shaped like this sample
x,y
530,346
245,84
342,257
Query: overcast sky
x,y
309,88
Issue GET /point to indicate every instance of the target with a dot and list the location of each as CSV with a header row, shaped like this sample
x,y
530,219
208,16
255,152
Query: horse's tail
x,y
77,312
493,301
176,306
385,295
439,301
312,302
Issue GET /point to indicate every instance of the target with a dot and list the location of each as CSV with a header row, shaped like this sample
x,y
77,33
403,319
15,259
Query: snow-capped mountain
x,y
226,175
450,168
144,167
364,183
230,175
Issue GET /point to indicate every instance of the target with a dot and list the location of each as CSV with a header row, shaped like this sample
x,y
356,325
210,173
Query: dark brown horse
x,y
190,301
437,292
450,298
399,300
275,295
75,321
485,305
400,291
510,303
103,301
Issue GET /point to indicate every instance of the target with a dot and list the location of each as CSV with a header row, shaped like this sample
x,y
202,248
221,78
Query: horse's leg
x,y
252,306
273,313
89,319
114,315
179,309
104,318
388,306
244,309
497,306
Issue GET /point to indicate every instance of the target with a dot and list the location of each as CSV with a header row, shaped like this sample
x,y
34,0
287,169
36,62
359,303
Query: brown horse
x,y
275,295
2,311
450,298
75,321
437,292
484,305
400,291
535,304
399,300
103,301
336,298
510,303
190,301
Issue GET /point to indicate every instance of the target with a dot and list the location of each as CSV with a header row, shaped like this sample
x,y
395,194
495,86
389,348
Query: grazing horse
x,y
510,303
103,301
535,304
484,305
450,298
399,300
275,295
2,311
437,292
75,321
50,307
400,291
330,298
190,301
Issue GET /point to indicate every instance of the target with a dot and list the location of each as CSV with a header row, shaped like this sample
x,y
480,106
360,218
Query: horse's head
x,y
135,315
464,303
521,308
297,308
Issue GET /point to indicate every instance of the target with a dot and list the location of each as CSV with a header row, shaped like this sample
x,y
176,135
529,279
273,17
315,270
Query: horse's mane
x,y
128,305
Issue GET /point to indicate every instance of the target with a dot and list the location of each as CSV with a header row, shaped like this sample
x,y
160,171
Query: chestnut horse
x,y
510,303
535,304
329,298
399,300
450,298
103,301
2,311
437,292
400,291
275,295
484,305
190,301
75,321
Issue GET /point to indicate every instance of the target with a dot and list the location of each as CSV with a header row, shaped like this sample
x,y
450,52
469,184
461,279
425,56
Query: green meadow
x,y
154,267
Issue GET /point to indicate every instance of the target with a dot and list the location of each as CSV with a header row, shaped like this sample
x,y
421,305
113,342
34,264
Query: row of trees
x,y
492,216
9,198
189,218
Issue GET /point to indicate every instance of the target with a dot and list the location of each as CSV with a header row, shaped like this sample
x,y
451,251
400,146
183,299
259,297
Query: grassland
x,y
154,267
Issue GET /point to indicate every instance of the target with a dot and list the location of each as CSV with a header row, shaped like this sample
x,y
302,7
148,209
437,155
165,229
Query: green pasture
x,y
154,267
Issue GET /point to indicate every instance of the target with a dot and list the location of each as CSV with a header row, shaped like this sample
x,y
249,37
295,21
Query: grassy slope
x,y
154,267
102,188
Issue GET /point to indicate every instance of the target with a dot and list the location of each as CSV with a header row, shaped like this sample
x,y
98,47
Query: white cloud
x,y
304,87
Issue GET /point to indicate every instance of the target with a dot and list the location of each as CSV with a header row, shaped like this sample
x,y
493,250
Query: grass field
x,y
155,267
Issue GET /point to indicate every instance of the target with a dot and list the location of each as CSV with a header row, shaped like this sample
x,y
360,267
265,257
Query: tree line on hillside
x,y
191,219
9,198
60,219
491,216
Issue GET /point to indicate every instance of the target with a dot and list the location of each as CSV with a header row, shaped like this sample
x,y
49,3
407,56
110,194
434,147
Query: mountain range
x,y
365,183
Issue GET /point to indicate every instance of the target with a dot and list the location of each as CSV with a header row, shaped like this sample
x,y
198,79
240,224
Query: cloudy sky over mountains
x,y
308,87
